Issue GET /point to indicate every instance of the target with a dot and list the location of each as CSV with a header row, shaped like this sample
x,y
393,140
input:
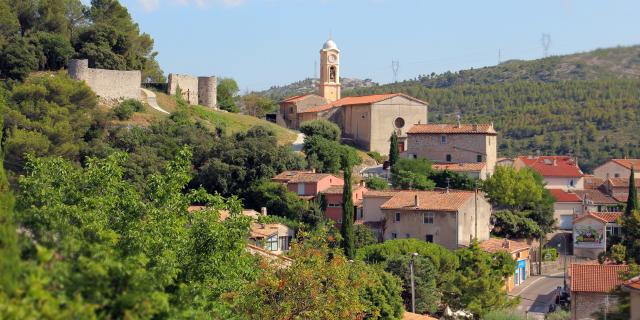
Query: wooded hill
x,y
585,104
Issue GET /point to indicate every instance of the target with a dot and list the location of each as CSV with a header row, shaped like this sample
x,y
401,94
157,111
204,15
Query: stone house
x,y
567,206
592,230
333,200
366,121
617,168
597,201
372,214
519,251
559,172
448,218
274,237
618,188
592,287
307,184
632,286
466,144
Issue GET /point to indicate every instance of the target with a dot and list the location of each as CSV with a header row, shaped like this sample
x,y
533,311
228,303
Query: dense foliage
x,y
322,128
525,207
227,91
348,214
417,174
376,183
44,35
324,155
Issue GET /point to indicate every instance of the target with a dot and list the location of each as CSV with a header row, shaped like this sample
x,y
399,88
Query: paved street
x,y
537,293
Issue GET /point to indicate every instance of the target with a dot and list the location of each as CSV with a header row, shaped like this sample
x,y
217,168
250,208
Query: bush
x,y
375,155
323,128
559,315
549,254
377,183
324,155
503,315
125,110
363,236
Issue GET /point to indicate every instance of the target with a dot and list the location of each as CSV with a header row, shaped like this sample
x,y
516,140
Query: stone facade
x,y
586,305
196,90
108,84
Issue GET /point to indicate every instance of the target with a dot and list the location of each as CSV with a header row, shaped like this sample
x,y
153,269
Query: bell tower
x,y
330,71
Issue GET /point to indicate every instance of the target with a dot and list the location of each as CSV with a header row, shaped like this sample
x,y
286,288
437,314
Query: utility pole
x,y
546,43
499,56
395,65
413,286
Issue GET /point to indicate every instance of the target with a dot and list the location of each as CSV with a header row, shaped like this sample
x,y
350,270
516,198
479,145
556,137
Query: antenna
x,y
546,43
395,65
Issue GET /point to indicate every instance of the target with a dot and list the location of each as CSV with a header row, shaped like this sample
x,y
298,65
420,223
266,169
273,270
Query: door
x,y
566,222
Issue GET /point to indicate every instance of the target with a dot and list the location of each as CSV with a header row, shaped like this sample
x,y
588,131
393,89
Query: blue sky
x,y
262,43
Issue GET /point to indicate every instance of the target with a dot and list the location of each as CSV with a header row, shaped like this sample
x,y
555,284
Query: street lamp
x,y
413,287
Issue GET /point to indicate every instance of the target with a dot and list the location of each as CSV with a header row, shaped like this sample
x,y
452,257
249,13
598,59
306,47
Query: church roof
x,y
437,128
349,101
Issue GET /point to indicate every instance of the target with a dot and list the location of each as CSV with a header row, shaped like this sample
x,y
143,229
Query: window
x,y
428,217
359,214
429,238
617,175
272,243
399,123
284,243
332,73
479,158
571,183
443,139
407,235
613,231
290,109
394,235
300,189
448,158
334,205
397,217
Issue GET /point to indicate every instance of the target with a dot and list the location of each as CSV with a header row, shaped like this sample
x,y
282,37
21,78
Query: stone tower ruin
x,y
196,90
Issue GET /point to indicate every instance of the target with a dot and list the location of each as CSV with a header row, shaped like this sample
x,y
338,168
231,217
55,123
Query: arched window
x,y
332,73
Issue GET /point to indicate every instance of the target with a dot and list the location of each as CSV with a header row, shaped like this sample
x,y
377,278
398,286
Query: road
x,y
299,143
151,100
537,293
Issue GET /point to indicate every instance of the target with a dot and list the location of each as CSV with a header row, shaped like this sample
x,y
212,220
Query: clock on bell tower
x,y
330,71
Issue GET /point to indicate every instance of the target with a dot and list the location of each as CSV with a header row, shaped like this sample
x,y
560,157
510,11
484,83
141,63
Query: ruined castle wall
x,y
109,84
188,86
207,91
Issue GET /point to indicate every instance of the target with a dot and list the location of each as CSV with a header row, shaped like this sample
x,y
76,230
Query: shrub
x,y
377,183
375,155
502,315
323,128
125,109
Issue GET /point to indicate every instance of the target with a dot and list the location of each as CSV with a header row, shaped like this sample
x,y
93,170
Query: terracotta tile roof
x,y
263,230
620,196
460,167
589,215
311,177
565,196
552,166
628,163
592,182
380,193
349,101
595,196
295,98
597,278
622,182
498,244
338,189
285,176
633,283
609,217
452,129
429,200
414,316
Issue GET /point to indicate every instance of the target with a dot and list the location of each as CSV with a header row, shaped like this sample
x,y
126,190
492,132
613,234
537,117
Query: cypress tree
x,y
632,200
394,153
348,243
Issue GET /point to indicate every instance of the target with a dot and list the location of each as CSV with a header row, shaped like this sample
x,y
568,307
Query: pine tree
x,y
348,243
632,200
394,153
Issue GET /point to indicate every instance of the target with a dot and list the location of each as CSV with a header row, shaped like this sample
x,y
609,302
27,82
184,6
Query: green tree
x,y
426,294
52,50
631,231
325,155
480,280
227,91
394,152
412,174
346,229
376,183
632,199
17,60
364,236
257,105
321,127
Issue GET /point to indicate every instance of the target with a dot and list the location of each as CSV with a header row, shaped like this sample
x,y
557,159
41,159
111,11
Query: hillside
x,y
557,105
310,85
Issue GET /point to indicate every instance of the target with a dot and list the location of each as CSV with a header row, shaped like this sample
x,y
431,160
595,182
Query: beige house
x,y
367,121
448,218
591,232
464,144
617,168
559,172
632,286
273,237
567,206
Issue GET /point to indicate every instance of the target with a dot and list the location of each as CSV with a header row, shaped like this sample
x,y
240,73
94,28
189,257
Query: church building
x,y
367,121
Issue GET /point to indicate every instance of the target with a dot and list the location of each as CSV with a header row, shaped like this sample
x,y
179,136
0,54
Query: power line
x,y
546,43
395,65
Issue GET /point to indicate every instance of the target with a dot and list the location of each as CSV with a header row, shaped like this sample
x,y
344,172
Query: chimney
x,y
555,162
313,170
263,211
416,200
505,243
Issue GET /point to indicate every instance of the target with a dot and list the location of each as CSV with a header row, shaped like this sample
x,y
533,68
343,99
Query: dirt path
x,y
151,100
